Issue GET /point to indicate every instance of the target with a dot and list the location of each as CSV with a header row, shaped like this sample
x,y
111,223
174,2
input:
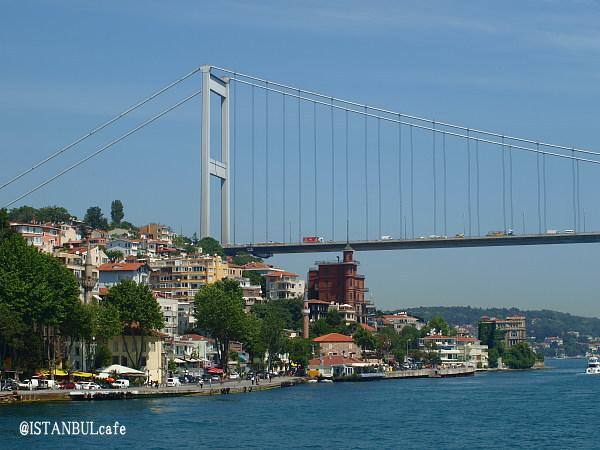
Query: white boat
x,y
593,367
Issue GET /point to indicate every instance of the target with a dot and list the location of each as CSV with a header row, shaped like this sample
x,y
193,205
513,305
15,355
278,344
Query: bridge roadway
x,y
266,250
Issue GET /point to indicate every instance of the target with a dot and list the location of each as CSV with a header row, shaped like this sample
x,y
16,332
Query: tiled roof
x,y
327,361
333,337
281,274
318,302
257,265
368,327
120,267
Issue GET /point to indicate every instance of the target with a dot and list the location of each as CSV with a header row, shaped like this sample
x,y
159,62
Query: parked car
x,y
234,376
120,384
87,385
67,385
173,382
216,378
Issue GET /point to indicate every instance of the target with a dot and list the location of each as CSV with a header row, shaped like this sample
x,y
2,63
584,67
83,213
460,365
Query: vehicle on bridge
x,y
311,239
386,238
500,233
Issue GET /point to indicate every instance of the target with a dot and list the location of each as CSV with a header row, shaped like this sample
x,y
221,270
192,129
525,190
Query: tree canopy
x,y
519,356
116,212
54,214
219,309
211,246
95,219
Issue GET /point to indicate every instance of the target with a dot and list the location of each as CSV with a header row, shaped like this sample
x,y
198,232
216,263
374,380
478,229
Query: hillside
x,y
540,323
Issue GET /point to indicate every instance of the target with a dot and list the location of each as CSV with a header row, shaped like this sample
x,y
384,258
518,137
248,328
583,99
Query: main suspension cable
x,y
99,128
102,149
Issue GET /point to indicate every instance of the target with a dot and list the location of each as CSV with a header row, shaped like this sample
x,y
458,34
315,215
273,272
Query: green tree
x,y
256,279
299,350
253,339
519,356
139,314
5,229
439,324
272,334
116,211
53,214
364,339
38,296
24,213
211,246
219,309
114,255
95,219
102,357
242,258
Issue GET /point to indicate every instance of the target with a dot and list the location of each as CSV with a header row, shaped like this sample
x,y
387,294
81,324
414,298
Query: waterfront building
x,y
330,366
44,237
339,282
153,359
112,274
473,352
336,344
514,328
182,277
445,346
283,285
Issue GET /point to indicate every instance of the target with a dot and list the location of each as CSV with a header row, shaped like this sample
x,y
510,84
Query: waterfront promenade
x,y
228,387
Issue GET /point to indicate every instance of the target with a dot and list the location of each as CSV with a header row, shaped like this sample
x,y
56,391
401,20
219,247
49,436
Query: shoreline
x,y
25,397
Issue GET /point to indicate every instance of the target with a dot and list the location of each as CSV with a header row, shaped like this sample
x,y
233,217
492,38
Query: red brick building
x,y
339,282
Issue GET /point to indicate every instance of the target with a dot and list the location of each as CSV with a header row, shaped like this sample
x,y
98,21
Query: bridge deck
x,y
271,248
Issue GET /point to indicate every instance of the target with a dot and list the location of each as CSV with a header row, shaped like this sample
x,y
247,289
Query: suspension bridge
x,y
289,170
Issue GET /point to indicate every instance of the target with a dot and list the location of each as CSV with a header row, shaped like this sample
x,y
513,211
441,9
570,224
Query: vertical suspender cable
x,y
445,184
332,177
315,159
347,183
573,188
544,185
578,197
434,182
469,181
400,174
253,165
366,182
510,172
235,90
537,160
299,172
477,191
267,161
412,185
283,168
379,171
503,187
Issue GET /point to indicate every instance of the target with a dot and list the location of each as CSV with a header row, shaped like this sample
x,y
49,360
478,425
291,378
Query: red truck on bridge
x,y
311,239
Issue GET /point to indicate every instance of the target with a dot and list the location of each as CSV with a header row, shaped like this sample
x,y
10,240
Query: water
x,y
556,408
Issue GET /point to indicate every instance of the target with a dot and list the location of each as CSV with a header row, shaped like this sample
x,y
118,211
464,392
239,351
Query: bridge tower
x,y
209,166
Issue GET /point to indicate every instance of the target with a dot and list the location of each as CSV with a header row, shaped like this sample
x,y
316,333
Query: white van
x,y
173,382
120,384
47,384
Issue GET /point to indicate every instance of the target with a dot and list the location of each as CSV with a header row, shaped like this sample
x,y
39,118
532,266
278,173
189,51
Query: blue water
x,y
554,408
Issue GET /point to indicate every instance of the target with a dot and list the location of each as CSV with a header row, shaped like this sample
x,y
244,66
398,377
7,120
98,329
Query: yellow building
x,y
182,277
152,358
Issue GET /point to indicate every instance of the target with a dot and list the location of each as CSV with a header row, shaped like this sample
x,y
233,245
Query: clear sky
x,y
523,68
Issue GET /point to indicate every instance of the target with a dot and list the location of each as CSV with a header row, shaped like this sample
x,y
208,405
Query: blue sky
x,y
522,68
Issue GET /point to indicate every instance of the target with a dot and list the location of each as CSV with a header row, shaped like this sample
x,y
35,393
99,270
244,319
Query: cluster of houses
x,y
149,256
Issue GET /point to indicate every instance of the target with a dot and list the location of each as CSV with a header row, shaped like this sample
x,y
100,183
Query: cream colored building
x,y
153,359
75,258
182,277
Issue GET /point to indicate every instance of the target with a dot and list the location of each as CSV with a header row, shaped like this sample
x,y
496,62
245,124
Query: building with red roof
x,y
336,344
113,273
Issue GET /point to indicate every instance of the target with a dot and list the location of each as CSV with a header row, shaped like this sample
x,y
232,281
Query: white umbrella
x,y
119,370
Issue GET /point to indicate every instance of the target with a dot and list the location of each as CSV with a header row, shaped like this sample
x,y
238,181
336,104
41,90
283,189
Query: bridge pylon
x,y
208,165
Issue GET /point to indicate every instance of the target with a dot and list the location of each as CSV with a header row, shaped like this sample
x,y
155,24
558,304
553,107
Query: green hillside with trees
x,y
540,323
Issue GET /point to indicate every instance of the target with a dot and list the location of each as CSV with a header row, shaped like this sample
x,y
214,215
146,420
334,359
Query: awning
x,y
82,374
215,370
58,372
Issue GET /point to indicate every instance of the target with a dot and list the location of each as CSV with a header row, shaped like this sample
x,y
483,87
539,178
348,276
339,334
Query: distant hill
x,y
540,323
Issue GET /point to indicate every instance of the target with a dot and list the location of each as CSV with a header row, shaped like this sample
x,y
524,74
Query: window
x,y
115,347
115,360
123,360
